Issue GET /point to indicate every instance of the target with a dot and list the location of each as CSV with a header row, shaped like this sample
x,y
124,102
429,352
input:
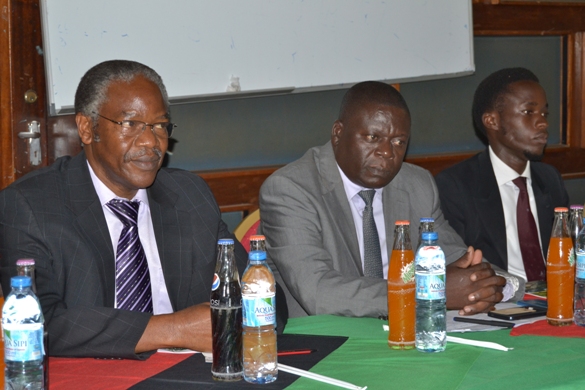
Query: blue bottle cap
x,y
427,220
257,255
430,236
225,241
20,281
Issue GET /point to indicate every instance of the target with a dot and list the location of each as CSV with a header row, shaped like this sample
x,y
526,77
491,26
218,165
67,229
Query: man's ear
x,y
491,120
84,128
336,131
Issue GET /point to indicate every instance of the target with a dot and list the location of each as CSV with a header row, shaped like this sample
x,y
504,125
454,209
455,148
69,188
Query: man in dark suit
x,y
482,197
61,216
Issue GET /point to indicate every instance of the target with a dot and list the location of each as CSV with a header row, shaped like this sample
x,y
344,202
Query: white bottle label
x,y
23,342
430,273
259,310
580,268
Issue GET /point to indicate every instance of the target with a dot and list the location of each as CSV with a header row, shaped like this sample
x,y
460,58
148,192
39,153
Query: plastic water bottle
x,y
575,222
22,326
259,341
226,316
431,323
426,225
579,315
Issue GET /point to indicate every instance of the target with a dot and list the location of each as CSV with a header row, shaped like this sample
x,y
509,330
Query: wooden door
x,y
23,96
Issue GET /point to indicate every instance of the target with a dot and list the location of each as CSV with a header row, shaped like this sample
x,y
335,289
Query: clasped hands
x,y
472,285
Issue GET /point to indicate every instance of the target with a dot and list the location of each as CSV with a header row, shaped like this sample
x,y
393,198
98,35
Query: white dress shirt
x,y
161,303
509,193
357,206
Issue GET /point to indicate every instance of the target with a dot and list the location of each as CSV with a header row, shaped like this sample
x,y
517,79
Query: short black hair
x,y
489,94
371,92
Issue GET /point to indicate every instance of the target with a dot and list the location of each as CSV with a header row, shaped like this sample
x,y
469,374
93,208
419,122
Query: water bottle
x,y
26,267
226,316
579,315
22,326
431,323
257,243
426,225
259,341
575,222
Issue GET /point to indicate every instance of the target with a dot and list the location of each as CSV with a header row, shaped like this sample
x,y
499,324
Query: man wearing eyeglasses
x,y
124,250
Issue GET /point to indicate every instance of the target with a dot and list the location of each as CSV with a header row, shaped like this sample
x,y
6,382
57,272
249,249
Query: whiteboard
x,y
271,46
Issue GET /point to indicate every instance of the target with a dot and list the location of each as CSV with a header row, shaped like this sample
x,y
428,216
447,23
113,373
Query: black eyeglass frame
x,y
168,126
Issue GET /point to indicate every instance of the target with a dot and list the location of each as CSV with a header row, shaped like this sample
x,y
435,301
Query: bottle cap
x,y
561,209
430,236
576,207
402,222
427,220
257,237
225,241
257,255
20,281
24,262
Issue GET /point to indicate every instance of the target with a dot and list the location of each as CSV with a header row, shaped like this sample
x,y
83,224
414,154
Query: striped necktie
x,y
132,276
372,252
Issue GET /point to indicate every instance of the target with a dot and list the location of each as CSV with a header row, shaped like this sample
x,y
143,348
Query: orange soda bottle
x,y
401,287
560,271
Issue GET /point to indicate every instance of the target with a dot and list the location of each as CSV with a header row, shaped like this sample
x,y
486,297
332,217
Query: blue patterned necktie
x,y
132,275
372,252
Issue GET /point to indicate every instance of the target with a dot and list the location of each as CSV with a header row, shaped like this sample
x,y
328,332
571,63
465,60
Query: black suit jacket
x,y
54,216
471,202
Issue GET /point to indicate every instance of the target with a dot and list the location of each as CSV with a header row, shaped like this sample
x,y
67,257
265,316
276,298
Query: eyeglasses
x,y
134,128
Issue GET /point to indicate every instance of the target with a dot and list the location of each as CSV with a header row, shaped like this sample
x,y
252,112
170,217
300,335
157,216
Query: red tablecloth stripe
x,y
89,373
542,328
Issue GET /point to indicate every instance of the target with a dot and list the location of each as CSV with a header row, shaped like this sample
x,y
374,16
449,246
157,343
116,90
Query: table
x,y
365,360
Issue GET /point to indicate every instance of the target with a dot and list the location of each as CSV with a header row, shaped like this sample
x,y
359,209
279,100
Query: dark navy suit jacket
x,y
471,202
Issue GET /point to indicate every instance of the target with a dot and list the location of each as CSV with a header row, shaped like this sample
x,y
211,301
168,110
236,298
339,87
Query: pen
x,y
503,324
296,352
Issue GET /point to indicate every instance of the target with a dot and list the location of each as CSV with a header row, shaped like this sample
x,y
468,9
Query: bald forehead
x,y
366,94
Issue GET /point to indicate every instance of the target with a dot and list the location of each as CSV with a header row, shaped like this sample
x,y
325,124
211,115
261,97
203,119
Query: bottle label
x,y
572,257
430,286
23,342
407,273
430,273
215,283
580,269
259,310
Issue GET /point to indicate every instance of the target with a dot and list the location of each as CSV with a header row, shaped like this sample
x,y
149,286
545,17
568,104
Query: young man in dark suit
x,y
64,217
502,200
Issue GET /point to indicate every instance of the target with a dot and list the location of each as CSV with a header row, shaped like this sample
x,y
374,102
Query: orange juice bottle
x,y
401,303
560,271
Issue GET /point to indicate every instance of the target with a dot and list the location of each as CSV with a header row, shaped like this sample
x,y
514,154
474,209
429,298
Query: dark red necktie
x,y
528,235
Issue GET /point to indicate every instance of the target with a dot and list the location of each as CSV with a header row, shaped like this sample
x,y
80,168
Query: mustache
x,y
143,152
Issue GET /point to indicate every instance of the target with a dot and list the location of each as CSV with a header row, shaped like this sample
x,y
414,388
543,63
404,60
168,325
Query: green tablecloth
x,y
365,360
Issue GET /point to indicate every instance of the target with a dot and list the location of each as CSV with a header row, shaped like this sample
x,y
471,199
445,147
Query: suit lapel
x,y
544,207
488,204
91,223
396,207
169,229
337,205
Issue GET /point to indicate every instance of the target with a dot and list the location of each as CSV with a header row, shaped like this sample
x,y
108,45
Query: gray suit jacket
x,y
471,202
54,216
311,236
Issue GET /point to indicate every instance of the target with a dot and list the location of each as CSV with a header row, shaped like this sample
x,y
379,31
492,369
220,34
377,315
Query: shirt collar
x,y
105,194
352,189
505,174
